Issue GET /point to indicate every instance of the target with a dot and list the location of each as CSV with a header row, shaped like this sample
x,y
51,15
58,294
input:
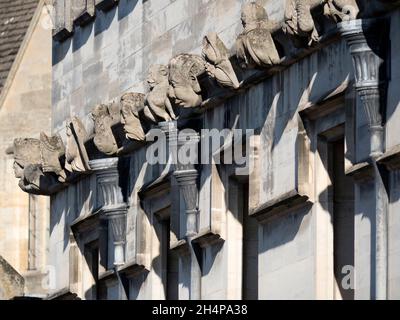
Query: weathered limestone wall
x,y
111,56
25,110
11,282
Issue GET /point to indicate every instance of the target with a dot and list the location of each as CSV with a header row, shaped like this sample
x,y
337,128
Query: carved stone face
x,y
184,87
18,170
157,74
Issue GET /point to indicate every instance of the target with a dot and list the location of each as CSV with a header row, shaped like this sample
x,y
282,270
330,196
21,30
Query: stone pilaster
x,y
111,203
367,43
180,147
365,39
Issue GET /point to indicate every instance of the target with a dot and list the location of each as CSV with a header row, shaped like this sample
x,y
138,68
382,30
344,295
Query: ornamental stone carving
x,y
299,23
158,107
28,168
184,89
365,39
131,105
255,46
104,138
218,65
51,150
76,157
341,10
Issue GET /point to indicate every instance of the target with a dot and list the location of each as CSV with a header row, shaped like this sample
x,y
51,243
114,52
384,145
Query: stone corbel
x,y
112,203
365,39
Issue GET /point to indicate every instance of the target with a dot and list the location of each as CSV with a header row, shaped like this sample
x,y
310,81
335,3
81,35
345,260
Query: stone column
x,y
112,203
186,176
368,46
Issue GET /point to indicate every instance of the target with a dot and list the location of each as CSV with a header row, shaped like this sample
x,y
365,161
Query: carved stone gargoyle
x,y
255,46
51,150
299,22
158,107
76,157
184,87
131,105
341,10
104,118
218,65
28,168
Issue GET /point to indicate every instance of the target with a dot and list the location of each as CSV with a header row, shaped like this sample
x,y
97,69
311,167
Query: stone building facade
x,y
304,95
25,110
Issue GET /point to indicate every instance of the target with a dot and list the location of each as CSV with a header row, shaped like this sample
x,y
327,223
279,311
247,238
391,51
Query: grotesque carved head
x,y
104,138
184,86
131,105
253,14
157,74
26,152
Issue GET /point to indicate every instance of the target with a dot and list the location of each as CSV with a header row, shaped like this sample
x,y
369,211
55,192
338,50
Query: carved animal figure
x,y
51,149
158,107
131,105
218,65
104,138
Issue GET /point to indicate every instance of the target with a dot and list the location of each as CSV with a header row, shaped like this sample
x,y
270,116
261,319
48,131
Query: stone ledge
x,y
207,238
391,159
132,269
181,247
279,206
63,294
361,172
